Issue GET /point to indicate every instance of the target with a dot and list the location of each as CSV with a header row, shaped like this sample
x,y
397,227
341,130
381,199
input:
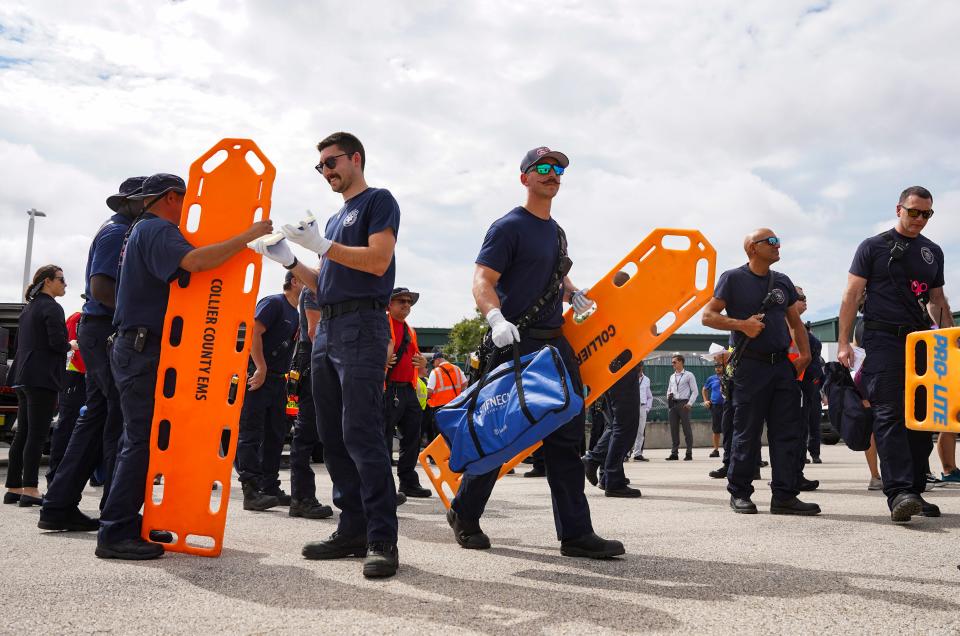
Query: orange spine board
x,y
933,380
201,377
664,287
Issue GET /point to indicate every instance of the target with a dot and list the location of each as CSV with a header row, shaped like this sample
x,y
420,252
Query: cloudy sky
x,y
808,117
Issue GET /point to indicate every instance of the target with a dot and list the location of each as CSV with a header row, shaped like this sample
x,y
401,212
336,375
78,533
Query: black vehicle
x,y
9,319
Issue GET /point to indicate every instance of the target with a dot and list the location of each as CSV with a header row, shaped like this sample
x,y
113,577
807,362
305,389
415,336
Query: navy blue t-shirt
x,y
369,212
279,318
524,250
103,259
815,369
744,291
308,300
149,264
921,269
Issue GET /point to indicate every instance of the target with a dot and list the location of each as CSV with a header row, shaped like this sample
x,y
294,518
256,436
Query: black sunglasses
x,y
59,278
914,213
770,240
330,162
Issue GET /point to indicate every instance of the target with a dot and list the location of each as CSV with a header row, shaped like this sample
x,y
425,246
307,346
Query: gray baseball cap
x,y
542,152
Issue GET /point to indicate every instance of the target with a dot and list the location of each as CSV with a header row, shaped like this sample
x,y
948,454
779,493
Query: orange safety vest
x,y
448,385
793,354
413,342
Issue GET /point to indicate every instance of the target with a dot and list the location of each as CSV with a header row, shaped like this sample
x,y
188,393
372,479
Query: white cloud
x,y
807,117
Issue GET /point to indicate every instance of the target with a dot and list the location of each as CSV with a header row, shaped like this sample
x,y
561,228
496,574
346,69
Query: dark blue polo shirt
x,y
308,300
280,320
743,292
369,212
524,250
103,259
921,269
815,369
147,267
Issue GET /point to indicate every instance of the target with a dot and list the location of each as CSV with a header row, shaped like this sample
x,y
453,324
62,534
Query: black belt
x,y
338,309
900,331
769,358
91,318
399,384
673,401
542,334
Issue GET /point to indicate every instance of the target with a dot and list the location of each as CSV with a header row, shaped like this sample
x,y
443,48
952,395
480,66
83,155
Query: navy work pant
x,y
306,438
771,393
618,438
263,427
726,429
811,414
97,433
35,407
561,458
135,373
402,413
349,357
72,396
903,453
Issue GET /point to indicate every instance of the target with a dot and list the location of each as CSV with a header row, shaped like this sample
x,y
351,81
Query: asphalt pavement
x,y
692,565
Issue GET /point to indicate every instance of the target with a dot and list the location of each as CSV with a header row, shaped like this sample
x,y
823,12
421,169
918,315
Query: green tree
x,y
465,336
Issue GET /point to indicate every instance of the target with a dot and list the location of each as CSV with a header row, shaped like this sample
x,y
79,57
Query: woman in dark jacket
x,y
37,373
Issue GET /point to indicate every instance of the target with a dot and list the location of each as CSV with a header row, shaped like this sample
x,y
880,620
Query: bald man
x,y
759,308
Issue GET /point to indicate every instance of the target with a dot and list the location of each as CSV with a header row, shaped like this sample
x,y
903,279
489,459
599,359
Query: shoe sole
x,y
794,512
929,515
325,515
380,571
586,554
329,556
902,512
66,527
260,508
418,496
621,496
107,553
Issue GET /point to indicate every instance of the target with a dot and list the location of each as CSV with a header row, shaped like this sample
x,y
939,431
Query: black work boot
x,y
742,505
414,490
73,521
904,506
792,506
928,509
283,499
590,469
468,534
336,546
309,508
720,473
254,499
382,560
136,549
592,547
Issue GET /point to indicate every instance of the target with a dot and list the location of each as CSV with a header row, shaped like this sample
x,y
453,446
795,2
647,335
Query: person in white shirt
x,y
646,403
681,396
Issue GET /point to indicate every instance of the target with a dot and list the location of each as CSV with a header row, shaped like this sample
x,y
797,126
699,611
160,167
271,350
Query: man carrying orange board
x,y
156,254
519,284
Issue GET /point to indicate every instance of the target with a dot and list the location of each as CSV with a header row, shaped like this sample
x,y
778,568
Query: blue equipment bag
x,y
511,408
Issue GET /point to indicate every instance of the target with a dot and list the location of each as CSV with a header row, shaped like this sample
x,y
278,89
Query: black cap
x,y
437,355
159,184
403,291
538,154
128,188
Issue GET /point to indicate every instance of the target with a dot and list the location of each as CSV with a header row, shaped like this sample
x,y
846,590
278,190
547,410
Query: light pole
x,y
33,214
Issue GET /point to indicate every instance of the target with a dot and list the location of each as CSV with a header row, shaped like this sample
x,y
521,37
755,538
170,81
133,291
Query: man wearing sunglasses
x,y
353,286
522,255
902,273
761,312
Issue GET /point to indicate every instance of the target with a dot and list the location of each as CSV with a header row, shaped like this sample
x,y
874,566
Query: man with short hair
x,y
156,254
263,418
902,273
761,312
445,382
402,412
646,403
520,279
713,400
353,286
681,396
97,431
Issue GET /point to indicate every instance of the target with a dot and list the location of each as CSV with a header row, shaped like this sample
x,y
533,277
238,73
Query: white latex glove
x,y
504,332
274,247
581,304
307,234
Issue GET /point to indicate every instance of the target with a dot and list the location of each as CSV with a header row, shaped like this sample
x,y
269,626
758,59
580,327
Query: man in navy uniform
x,y
353,286
263,419
902,273
155,255
761,313
98,430
523,256
306,436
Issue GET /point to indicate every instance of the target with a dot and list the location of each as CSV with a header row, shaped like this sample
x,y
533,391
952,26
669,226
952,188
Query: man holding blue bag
x,y
519,283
